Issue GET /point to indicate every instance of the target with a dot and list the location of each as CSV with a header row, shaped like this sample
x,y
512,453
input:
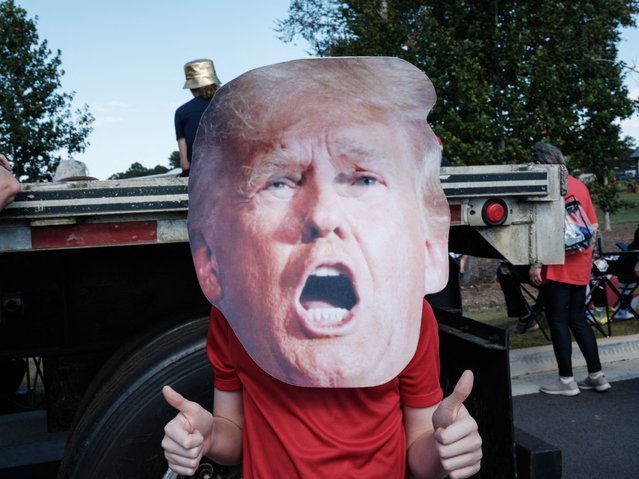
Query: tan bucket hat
x,y
72,170
200,73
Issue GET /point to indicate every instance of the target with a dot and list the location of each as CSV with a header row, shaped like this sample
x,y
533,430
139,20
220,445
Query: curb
x,y
541,359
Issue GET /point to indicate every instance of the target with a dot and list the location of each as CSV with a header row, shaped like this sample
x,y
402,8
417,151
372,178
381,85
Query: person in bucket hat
x,y
203,82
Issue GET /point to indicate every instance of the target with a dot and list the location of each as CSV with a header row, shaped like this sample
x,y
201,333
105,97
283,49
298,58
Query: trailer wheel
x,y
120,426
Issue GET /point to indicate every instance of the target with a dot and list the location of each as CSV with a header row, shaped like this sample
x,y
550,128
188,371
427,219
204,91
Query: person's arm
x,y
9,186
443,440
184,161
422,457
195,432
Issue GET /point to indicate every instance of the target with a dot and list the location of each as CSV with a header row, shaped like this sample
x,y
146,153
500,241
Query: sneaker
x,y
558,387
600,384
620,314
519,326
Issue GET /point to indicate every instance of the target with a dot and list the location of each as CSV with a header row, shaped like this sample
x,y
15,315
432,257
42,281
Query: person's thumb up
x,y
446,412
195,418
186,436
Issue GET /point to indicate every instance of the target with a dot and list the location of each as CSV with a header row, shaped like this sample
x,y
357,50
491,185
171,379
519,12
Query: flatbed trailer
x,y
98,291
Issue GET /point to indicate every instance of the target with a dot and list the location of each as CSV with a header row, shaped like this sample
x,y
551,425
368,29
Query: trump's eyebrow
x,y
360,156
267,165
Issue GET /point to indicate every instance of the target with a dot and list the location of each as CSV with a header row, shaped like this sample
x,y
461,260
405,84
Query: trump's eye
x,y
358,183
282,187
366,181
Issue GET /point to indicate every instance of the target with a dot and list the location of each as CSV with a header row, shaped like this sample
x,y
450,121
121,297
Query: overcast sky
x,y
125,60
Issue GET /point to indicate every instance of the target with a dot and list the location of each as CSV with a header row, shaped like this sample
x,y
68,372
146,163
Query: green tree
x,y
508,74
174,160
137,169
37,125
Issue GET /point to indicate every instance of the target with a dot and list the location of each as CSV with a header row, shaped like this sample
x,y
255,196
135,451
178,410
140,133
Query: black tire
x,y
120,426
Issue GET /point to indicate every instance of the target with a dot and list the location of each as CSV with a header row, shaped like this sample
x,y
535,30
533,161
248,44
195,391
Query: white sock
x,y
567,380
596,375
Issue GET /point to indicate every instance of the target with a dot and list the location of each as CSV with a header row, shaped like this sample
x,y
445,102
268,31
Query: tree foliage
x,y
37,125
174,159
507,73
138,169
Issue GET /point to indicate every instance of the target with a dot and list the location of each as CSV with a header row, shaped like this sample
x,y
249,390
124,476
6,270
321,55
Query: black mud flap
x,y
536,458
469,344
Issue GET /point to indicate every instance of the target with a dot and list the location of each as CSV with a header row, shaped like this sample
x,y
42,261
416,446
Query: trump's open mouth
x,y
328,295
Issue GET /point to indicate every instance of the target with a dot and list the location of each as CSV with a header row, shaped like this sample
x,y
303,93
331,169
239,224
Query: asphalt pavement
x,y
597,433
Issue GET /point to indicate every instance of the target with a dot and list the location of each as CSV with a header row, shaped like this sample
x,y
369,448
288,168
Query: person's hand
x,y
9,186
457,438
4,162
187,436
535,275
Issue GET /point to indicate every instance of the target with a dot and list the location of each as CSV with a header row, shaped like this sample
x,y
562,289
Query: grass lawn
x,y
497,317
624,215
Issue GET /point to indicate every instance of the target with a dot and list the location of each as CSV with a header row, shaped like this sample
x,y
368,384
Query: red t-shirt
x,y
292,431
577,266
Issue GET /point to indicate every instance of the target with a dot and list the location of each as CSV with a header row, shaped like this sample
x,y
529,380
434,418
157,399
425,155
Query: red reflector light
x,y
494,212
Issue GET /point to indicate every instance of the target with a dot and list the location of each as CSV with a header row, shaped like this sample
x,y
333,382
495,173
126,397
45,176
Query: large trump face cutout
x,y
316,219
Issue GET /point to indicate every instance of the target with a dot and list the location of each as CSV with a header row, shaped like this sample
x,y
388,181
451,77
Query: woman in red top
x,y
563,287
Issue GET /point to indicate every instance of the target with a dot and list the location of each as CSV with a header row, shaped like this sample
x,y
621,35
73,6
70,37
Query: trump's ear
x,y
207,271
436,230
436,264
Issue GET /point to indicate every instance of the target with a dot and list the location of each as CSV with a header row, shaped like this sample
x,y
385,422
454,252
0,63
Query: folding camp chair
x,y
520,295
605,268
535,306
